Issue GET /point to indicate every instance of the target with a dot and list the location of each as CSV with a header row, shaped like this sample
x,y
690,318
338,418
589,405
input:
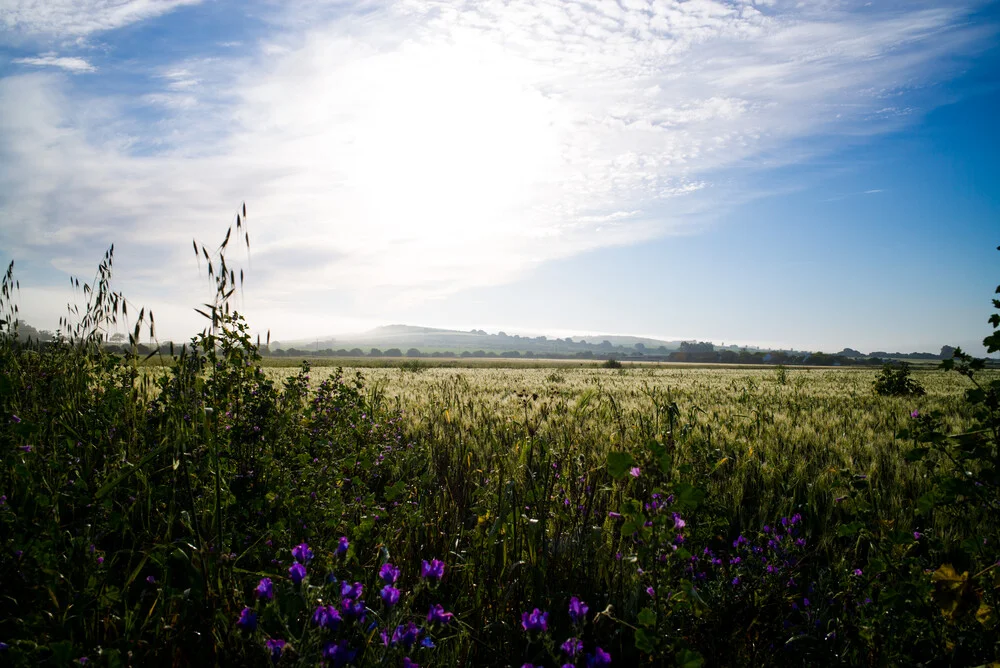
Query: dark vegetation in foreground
x,y
213,516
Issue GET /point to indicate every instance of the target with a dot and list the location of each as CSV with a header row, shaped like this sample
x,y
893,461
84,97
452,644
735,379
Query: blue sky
x,y
807,175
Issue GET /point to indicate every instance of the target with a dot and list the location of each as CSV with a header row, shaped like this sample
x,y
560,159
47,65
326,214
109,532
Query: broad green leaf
x,y
619,463
644,642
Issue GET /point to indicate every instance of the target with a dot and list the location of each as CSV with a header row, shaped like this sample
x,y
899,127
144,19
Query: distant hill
x,y
413,341
430,340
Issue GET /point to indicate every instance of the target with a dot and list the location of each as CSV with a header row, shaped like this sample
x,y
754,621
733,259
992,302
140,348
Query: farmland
x,y
708,516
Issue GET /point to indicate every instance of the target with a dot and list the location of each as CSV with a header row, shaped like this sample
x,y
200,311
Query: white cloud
x,y
79,17
413,150
71,64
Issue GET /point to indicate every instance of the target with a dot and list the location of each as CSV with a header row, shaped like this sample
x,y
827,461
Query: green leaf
x,y
644,642
850,529
666,463
395,490
916,454
619,463
687,496
687,658
926,503
647,617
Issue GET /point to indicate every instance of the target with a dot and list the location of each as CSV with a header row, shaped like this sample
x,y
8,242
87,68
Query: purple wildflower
x,y
354,609
297,572
407,663
433,570
339,653
536,620
327,617
265,589
390,595
613,515
247,620
342,546
917,535
635,471
572,647
302,553
915,414
598,658
351,591
405,635
275,646
651,592
578,610
388,573
437,615
679,522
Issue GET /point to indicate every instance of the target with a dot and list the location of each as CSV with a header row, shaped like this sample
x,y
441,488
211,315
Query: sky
x,y
809,175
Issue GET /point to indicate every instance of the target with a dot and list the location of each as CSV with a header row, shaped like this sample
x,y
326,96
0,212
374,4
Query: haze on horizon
x,y
792,175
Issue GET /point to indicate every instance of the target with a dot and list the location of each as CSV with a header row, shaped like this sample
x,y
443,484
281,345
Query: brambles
x,y
894,381
612,363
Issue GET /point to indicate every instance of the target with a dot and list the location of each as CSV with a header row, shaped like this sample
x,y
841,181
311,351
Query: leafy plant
x,y
894,381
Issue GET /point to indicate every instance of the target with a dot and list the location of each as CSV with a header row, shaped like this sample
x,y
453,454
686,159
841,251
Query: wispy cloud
x,y
69,63
80,17
418,148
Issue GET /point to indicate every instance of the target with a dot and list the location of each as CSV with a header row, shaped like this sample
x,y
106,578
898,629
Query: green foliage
x,y
895,381
612,363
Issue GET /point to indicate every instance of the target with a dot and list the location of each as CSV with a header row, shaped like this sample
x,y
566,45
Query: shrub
x,y
895,381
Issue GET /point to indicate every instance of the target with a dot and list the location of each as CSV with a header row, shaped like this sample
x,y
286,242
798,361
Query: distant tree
x,y
393,352
117,337
413,352
356,352
640,347
26,331
375,352
947,352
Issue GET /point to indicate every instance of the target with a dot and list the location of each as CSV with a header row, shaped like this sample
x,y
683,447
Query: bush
x,y
895,381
